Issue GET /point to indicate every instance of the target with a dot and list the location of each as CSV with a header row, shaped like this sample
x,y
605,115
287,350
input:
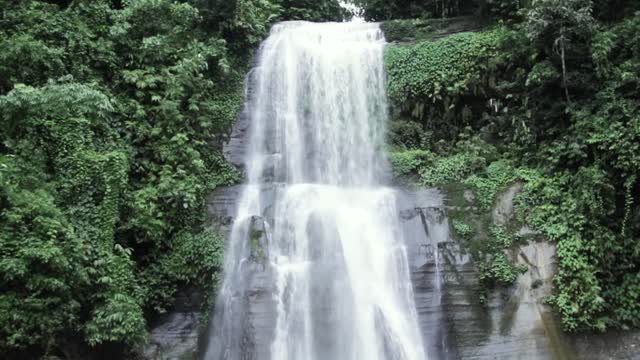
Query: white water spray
x,y
314,209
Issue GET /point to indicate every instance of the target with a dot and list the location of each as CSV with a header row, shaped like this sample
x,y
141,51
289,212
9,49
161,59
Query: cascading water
x,y
316,229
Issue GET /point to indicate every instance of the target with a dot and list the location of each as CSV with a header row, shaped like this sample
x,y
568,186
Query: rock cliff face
x,y
459,319
175,335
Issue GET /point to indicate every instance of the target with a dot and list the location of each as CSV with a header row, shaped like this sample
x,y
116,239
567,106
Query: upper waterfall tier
x,y
320,106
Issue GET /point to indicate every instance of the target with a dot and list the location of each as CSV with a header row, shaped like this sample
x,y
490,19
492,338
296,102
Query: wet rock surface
x,y
251,314
175,334
503,209
235,148
221,206
175,337
609,346
461,320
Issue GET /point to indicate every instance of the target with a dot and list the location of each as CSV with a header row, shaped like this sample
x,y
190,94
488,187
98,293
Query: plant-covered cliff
x,y
546,95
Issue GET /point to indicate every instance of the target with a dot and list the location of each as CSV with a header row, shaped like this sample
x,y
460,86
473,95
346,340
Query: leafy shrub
x,y
497,270
194,260
399,30
378,10
486,186
541,74
462,229
494,265
454,168
499,239
313,10
407,30
409,162
505,9
407,134
547,204
624,304
470,156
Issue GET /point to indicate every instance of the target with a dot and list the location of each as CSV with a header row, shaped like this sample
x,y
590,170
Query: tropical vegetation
x,y
111,123
547,96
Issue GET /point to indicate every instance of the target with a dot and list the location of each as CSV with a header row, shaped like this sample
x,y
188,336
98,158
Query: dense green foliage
x,y
313,10
555,94
416,30
487,185
462,229
436,80
378,10
496,267
113,113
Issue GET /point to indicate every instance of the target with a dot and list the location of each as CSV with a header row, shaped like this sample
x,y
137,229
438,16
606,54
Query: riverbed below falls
x,y
330,258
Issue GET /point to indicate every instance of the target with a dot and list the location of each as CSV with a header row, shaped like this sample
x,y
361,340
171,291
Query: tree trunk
x,y
564,67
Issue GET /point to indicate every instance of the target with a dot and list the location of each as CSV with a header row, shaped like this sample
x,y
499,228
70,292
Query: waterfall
x,y
316,266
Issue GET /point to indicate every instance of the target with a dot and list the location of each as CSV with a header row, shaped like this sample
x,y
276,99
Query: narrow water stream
x,y
317,266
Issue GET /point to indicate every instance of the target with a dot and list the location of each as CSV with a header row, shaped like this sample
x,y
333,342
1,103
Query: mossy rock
x,y
258,239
